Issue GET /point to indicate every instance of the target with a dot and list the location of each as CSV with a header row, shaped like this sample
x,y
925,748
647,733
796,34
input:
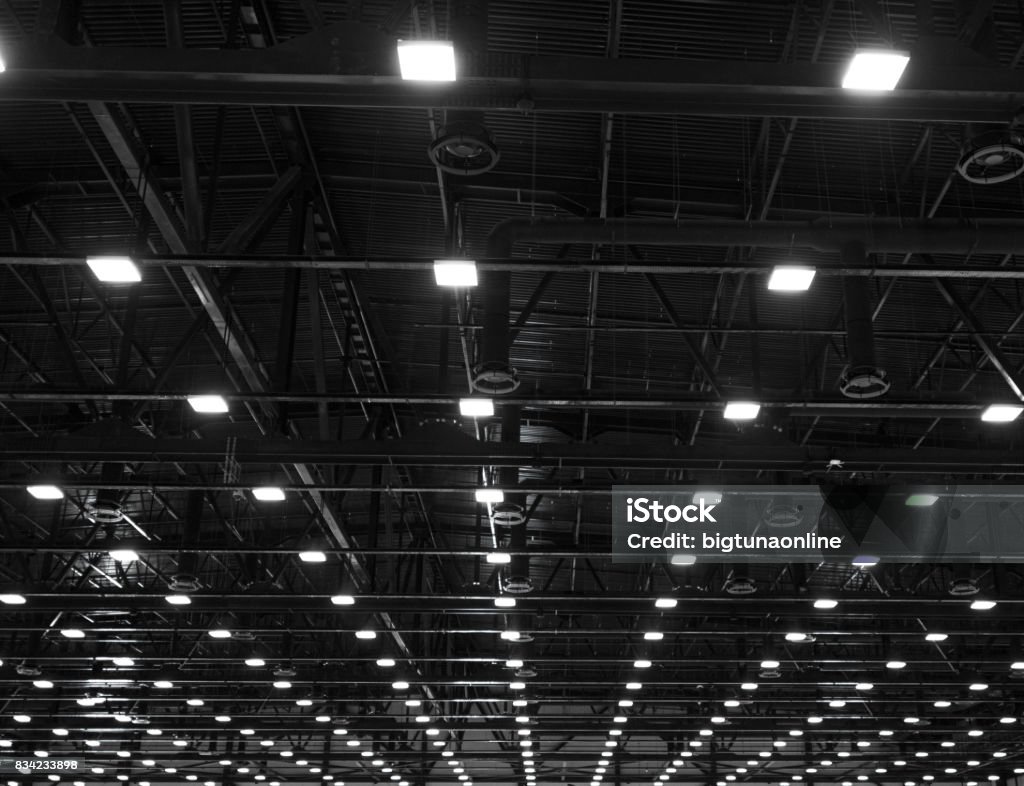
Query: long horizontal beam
x,y
351,66
913,407
471,453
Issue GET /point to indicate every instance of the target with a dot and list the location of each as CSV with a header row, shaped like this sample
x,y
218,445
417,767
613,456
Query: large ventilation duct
x,y
927,236
463,146
106,508
862,377
186,579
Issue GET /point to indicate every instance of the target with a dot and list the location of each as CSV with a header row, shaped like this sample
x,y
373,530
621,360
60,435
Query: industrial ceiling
x,y
625,174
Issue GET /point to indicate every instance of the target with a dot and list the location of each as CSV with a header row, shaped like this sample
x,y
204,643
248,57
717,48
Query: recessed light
x,y
875,70
790,278
1001,413
114,269
209,404
476,407
45,491
431,61
741,410
455,273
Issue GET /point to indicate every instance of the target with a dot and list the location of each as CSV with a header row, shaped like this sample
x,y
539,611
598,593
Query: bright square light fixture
x,y
491,495
178,600
124,555
343,600
983,605
825,603
271,494
455,272
875,69
12,599
114,269
505,602
498,558
936,637
427,61
790,278
45,492
476,407
208,404
1001,413
741,410
666,603
313,555
921,500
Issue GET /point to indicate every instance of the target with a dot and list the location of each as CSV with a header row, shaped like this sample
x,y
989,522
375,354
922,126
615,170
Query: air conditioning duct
x,y
862,377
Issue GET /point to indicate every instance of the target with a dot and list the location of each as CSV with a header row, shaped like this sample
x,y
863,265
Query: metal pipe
x,y
862,378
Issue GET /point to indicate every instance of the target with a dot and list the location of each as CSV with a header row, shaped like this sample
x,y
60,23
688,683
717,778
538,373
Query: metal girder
x,y
991,350
351,65
474,454
262,215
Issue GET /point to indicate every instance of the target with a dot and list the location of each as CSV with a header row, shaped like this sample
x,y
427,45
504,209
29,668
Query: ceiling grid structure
x,y
299,585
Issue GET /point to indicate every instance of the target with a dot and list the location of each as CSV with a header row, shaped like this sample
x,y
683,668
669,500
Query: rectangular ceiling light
x,y
921,500
114,269
741,410
875,69
490,495
1001,413
208,404
427,61
268,493
790,278
455,272
45,492
476,407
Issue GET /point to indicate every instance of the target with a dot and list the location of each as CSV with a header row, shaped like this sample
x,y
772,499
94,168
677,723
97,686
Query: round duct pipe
x,y
862,378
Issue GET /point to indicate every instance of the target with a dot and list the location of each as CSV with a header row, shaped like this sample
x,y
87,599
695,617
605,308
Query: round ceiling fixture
x,y
464,148
993,157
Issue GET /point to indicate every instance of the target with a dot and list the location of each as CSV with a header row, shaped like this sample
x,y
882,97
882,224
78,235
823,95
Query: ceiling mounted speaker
x,y
464,148
994,156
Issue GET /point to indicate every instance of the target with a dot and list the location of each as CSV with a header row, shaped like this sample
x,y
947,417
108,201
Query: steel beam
x,y
352,65
254,225
475,454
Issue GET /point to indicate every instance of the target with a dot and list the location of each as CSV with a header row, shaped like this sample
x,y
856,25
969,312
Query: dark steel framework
x,y
268,169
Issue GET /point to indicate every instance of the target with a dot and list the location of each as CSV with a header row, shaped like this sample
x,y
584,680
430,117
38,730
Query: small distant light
x,y
1007,719
911,719
876,70
386,663
195,702
896,664
219,633
983,605
921,500
513,663
124,555
864,686
282,684
223,719
455,273
208,404
790,278
303,702
825,603
837,704
975,733
796,636
163,684
864,561
814,719
641,664
1001,413
255,662
498,558
400,685
366,634
683,560
666,603
517,685
43,684
741,410
123,660
45,492
313,555
72,633
343,600
273,494
653,635
178,600
490,495
114,269
476,407
748,686
510,635
12,599
978,686
505,603
936,636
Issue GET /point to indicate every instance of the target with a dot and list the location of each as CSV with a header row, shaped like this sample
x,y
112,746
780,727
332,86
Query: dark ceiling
x,y
268,170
